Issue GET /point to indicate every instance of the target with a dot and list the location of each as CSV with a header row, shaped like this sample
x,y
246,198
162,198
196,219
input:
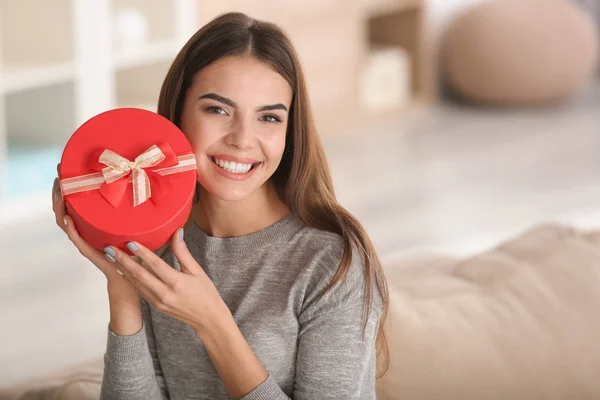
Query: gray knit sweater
x,y
312,348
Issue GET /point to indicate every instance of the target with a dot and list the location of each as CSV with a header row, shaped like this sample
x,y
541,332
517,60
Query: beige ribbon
x,y
118,167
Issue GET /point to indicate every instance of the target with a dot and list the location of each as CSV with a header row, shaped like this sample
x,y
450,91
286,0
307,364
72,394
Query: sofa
x,y
518,321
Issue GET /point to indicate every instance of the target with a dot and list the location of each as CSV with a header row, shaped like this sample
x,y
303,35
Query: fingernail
x,y
109,251
65,221
181,234
110,258
131,246
119,272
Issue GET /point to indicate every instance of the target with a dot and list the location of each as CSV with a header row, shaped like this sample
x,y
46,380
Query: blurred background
x,y
449,126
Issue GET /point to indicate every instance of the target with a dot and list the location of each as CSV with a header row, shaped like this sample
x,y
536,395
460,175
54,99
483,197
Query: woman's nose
x,y
241,135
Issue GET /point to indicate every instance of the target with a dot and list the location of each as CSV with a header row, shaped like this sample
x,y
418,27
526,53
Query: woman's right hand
x,y
123,297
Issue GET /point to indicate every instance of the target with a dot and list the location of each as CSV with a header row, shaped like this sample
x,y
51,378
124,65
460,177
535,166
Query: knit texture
x,y
312,346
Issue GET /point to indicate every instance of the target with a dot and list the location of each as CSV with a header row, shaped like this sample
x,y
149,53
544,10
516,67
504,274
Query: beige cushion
x,y
518,52
81,382
517,322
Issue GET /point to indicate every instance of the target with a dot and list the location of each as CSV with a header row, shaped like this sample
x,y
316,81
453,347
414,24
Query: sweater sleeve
x,y
131,367
335,360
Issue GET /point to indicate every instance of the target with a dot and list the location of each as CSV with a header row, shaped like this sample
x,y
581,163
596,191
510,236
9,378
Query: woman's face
x,y
235,116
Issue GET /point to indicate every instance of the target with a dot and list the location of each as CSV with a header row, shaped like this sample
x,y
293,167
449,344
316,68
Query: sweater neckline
x,y
277,232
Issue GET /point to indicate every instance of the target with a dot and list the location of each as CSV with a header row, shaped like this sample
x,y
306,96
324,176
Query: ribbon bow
x,y
119,167
116,171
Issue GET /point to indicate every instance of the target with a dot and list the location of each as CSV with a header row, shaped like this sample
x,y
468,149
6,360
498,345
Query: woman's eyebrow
x,y
231,103
278,106
218,98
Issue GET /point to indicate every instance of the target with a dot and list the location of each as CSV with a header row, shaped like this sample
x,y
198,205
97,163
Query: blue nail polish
x,y
132,247
110,258
110,252
181,234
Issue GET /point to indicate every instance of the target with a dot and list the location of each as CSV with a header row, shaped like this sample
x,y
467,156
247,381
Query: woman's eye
x,y
216,110
270,118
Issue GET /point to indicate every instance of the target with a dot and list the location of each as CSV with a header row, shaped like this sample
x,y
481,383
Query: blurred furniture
x,y
516,322
81,382
520,52
64,61
339,42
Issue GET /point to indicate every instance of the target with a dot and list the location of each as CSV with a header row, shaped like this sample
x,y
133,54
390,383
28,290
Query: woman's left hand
x,y
189,296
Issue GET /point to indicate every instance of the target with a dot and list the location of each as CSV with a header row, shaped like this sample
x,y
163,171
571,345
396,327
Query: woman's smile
x,y
235,168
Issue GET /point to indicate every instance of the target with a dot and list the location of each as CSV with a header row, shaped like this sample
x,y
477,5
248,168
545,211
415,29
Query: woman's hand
x,y
117,285
189,296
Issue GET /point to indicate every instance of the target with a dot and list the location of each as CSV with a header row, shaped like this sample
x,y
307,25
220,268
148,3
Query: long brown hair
x,y
303,178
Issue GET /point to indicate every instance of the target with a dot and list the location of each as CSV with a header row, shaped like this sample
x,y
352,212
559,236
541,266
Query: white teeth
x,y
230,166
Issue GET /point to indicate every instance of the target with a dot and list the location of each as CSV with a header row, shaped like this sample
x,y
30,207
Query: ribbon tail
x,y
141,186
114,192
160,187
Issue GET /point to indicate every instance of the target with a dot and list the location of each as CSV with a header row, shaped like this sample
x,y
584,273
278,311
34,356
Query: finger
x,y
185,258
56,192
95,256
136,273
58,206
54,199
66,224
143,290
126,274
154,263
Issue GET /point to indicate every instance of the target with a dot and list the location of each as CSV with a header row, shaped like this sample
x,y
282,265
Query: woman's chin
x,y
226,192
226,189
231,197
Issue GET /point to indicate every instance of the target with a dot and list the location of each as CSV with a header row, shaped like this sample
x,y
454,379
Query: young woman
x,y
272,290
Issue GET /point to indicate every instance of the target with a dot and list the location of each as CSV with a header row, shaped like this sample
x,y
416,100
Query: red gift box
x,y
128,175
